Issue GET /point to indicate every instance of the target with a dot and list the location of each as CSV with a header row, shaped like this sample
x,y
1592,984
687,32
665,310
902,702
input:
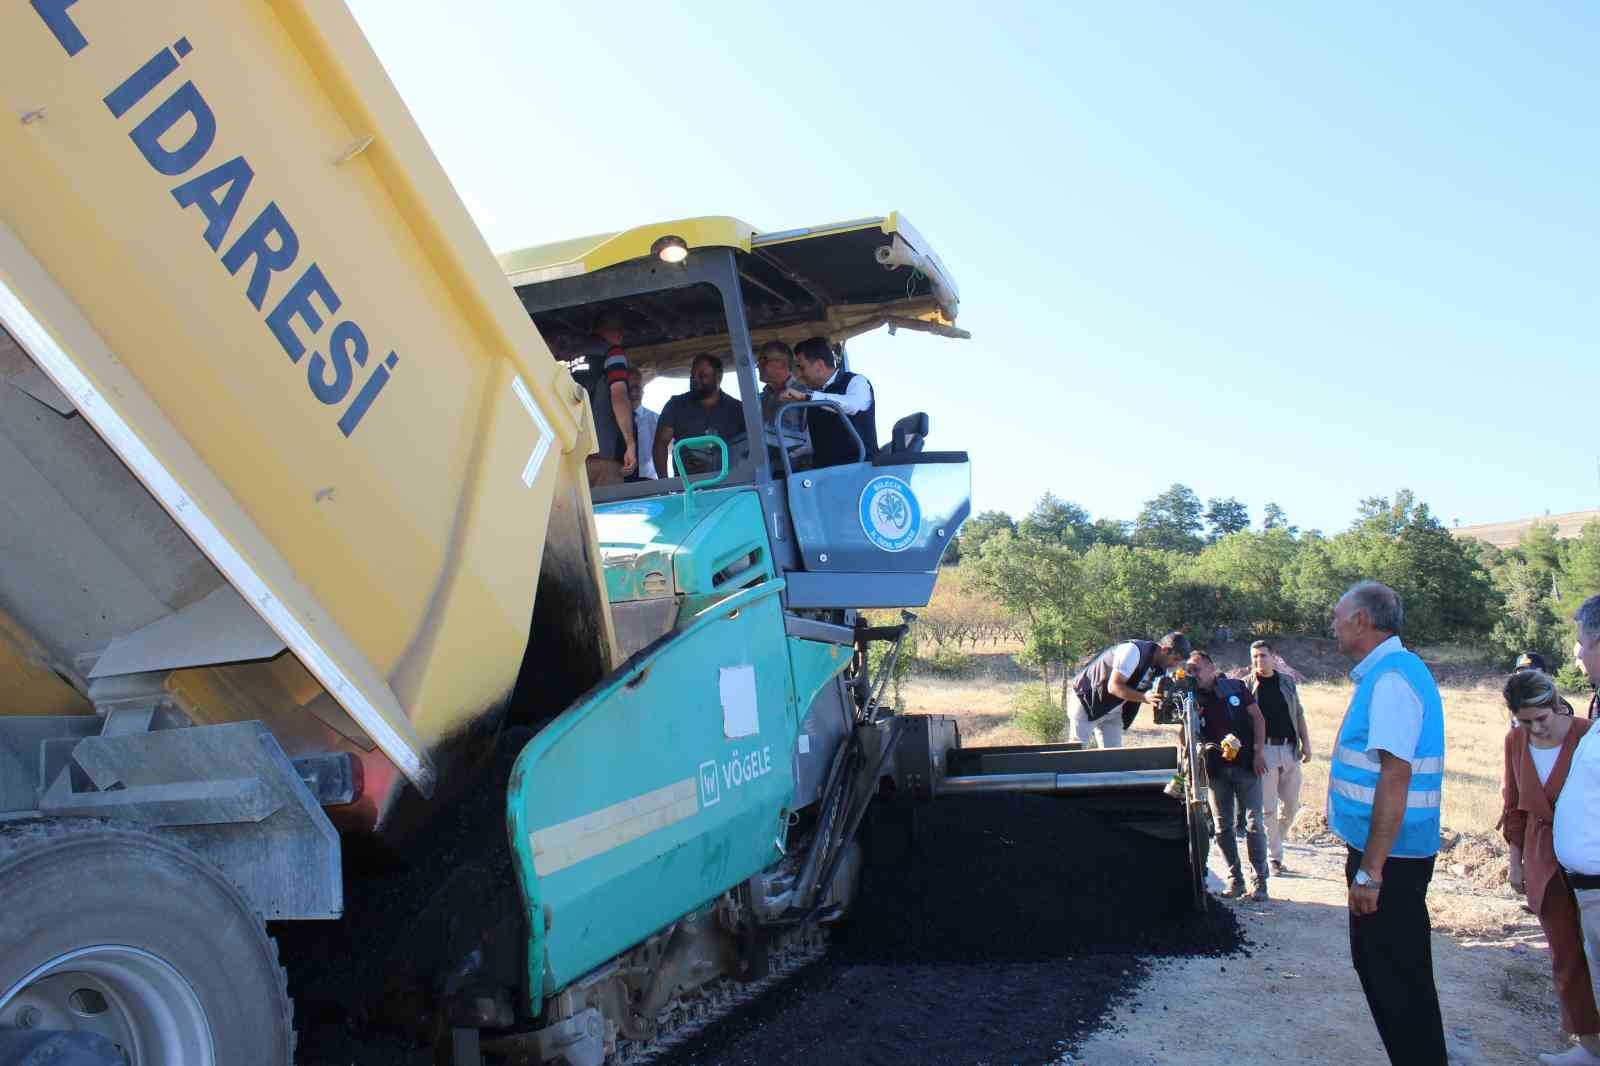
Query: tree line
x,y
1071,584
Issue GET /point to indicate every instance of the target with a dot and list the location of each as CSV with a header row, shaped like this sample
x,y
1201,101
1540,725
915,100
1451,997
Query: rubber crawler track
x,y
682,1020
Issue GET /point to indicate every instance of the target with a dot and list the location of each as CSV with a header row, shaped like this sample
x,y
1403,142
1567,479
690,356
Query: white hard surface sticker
x,y
739,716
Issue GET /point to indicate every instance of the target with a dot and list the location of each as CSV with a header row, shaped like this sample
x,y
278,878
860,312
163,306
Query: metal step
x,y
1044,781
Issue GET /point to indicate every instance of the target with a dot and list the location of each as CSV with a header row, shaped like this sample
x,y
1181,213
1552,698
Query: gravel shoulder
x,y
1297,995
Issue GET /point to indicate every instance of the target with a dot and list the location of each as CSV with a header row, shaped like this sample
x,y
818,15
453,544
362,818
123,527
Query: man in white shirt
x,y
1102,698
1385,784
1577,824
832,442
644,425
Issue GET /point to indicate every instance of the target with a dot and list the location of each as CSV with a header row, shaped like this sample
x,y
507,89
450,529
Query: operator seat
x,y
909,434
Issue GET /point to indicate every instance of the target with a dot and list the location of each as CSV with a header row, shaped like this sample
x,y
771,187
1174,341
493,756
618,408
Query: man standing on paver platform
x,y
1384,785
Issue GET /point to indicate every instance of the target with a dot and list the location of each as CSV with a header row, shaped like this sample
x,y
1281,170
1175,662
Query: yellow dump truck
x,y
296,524
285,463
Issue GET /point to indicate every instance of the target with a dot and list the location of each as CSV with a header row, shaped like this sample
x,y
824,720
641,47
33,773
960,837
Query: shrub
x,y
1038,715
1570,679
878,658
947,662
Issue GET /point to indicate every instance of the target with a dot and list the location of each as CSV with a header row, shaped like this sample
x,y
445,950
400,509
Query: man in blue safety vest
x,y
1384,786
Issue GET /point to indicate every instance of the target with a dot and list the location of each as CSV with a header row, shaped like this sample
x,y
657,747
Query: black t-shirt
x,y
1275,708
1223,710
688,417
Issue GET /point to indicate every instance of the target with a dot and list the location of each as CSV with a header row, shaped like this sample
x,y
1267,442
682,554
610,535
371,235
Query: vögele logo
x,y
710,789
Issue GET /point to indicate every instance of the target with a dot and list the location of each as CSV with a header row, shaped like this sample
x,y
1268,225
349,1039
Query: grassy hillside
x,y
1509,534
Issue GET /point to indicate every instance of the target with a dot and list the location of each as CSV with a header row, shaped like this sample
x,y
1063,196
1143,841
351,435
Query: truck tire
x,y
118,931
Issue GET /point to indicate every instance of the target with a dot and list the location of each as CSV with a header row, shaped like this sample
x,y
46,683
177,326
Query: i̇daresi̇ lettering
x,y
269,243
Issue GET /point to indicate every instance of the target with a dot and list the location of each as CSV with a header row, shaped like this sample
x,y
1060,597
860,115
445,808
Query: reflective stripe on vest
x,y
1366,760
1353,772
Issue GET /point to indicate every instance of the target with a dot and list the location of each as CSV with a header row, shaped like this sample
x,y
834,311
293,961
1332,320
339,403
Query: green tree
x,y
1171,521
977,530
1250,571
1541,550
1037,582
1446,593
1527,620
1581,573
1224,517
1057,521
1124,592
1313,582
1110,531
1272,517
1578,579
1487,555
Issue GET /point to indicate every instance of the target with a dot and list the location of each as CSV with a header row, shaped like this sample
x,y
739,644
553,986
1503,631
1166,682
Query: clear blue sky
x,y
1305,255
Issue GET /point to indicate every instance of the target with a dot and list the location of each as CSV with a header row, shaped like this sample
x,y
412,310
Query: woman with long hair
x,y
1538,756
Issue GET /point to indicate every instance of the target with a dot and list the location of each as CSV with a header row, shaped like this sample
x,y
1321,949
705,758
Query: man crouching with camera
x,y
1104,696
1235,737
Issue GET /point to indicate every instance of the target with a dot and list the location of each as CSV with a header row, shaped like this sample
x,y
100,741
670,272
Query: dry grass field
x,y
1475,730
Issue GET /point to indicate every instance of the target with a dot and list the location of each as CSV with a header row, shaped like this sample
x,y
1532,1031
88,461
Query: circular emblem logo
x,y
1234,700
890,515
648,508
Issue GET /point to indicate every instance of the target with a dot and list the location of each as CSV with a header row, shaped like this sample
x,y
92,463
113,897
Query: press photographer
x,y
1120,679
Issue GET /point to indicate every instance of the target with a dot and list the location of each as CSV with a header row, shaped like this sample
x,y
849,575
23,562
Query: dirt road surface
x,y
1296,998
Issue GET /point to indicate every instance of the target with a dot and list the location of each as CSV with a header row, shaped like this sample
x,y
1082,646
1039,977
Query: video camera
x,y
1173,691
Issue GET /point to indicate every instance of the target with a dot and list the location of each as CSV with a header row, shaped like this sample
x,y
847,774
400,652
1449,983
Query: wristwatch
x,y
1366,880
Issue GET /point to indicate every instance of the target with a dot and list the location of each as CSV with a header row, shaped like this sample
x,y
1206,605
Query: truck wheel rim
x,y
135,999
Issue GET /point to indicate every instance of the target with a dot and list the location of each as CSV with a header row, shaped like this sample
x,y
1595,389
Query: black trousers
x,y
1393,956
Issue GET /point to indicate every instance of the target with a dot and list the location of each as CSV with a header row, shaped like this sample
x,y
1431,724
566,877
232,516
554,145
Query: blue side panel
x,y
858,591
889,519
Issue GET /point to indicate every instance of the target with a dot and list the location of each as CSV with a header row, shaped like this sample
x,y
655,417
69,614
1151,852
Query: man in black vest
x,y
1119,679
1235,738
817,367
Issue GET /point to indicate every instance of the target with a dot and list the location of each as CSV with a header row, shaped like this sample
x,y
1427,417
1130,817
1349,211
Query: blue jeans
x,y
1232,784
